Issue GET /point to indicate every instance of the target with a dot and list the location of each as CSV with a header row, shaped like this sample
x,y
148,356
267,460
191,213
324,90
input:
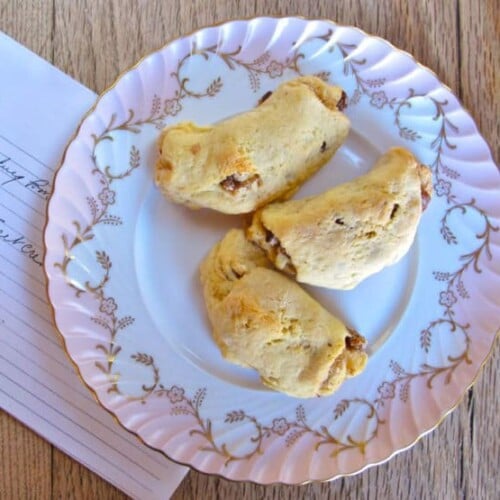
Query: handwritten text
x,y
19,243
9,169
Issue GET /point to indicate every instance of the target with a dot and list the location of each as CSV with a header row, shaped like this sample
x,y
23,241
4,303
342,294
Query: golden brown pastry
x,y
340,237
264,320
256,157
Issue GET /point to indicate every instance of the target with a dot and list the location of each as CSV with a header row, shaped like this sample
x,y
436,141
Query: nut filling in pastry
x,y
342,104
355,342
234,182
344,235
278,254
246,161
264,320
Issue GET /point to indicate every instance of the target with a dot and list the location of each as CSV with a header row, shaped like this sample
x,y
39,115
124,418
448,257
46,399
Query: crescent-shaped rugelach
x,y
256,157
264,320
339,238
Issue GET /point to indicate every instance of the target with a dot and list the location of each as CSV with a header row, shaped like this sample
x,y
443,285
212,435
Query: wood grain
x,y
94,41
479,86
73,480
25,462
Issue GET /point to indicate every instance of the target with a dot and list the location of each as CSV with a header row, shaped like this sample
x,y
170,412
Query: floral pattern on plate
x,y
197,415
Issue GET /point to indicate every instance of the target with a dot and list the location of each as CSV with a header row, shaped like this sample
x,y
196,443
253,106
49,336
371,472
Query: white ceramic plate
x,y
122,261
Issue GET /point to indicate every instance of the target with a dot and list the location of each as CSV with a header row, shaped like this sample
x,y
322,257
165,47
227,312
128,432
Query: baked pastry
x,y
340,237
256,157
264,320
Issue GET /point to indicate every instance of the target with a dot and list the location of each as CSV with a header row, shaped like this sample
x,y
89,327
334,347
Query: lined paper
x,y
39,109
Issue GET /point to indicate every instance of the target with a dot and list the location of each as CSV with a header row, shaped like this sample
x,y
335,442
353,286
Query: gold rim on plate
x,y
52,308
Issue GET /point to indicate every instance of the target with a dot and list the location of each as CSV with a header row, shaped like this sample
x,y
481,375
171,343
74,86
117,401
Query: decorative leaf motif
x,y
92,203
142,358
440,276
300,413
116,350
425,339
375,83
340,408
462,291
396,368
103,259
214,87
254,80
100,138
450,124
180,410
134,157
452,174
155,106
436,143
101,367
294,436
235,416
124,322
404,391
356,96
262,59
199,397
111,220
408,134
103,348
448,235
87,237
99,320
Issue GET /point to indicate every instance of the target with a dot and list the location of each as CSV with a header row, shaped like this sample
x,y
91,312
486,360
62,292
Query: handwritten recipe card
x,y
40,108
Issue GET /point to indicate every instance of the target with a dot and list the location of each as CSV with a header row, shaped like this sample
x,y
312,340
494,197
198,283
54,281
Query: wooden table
x,y
93,41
